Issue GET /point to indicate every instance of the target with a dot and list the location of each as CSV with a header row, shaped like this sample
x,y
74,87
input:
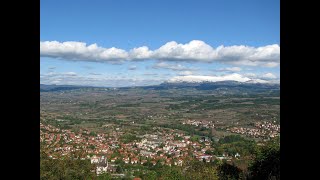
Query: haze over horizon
x,y
126,43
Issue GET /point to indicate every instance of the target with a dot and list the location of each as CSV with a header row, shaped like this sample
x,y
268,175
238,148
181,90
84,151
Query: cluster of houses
x,y
164,146
260,130
199,123
269,126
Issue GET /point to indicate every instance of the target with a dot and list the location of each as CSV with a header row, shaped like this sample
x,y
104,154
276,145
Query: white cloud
x,y
228,77
140,53
55,82
94,79
79,51
150,74
195,51
193,78
263,77
109,80
185,73
231,69
95,74
133,67
175,67
250,75
258,81
70,74
269,76
60,74
270,64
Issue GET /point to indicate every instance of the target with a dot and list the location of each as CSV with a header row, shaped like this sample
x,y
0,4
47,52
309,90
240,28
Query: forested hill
x,y
233,87
49,88
216,85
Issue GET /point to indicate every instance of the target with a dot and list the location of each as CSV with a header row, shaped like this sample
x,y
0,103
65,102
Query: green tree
x,y
267,162
92,147
119,169
172,173
92,133
209,152
195,138
65,168
151,175
199,171
228,172
104,176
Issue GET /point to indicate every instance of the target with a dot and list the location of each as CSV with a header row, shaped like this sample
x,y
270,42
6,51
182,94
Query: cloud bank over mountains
x,y
193,78
194,51
227,77
72,78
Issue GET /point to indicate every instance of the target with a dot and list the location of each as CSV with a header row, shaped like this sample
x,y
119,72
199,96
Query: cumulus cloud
x,y
259,81
79,51
140,53
70,74
269,76
250,75
228,77
194,51
185,73
60,74
193,78
175,67
270,64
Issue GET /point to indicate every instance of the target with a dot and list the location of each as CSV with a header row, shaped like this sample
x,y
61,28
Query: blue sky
x,y
247,32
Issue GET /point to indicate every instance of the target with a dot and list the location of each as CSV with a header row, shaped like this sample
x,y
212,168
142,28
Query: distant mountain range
x,y
49,88
221,85
227,85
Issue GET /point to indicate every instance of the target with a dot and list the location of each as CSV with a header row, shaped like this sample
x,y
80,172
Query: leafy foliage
x,y
267,162
66,168
236,144
173,173
127,138
104,176
228,172
200,170
231,139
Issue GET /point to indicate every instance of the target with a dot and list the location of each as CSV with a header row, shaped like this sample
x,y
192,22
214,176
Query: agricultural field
x,y
135,108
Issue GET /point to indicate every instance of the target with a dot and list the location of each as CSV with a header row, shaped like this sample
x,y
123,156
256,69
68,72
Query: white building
x,y
101,164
